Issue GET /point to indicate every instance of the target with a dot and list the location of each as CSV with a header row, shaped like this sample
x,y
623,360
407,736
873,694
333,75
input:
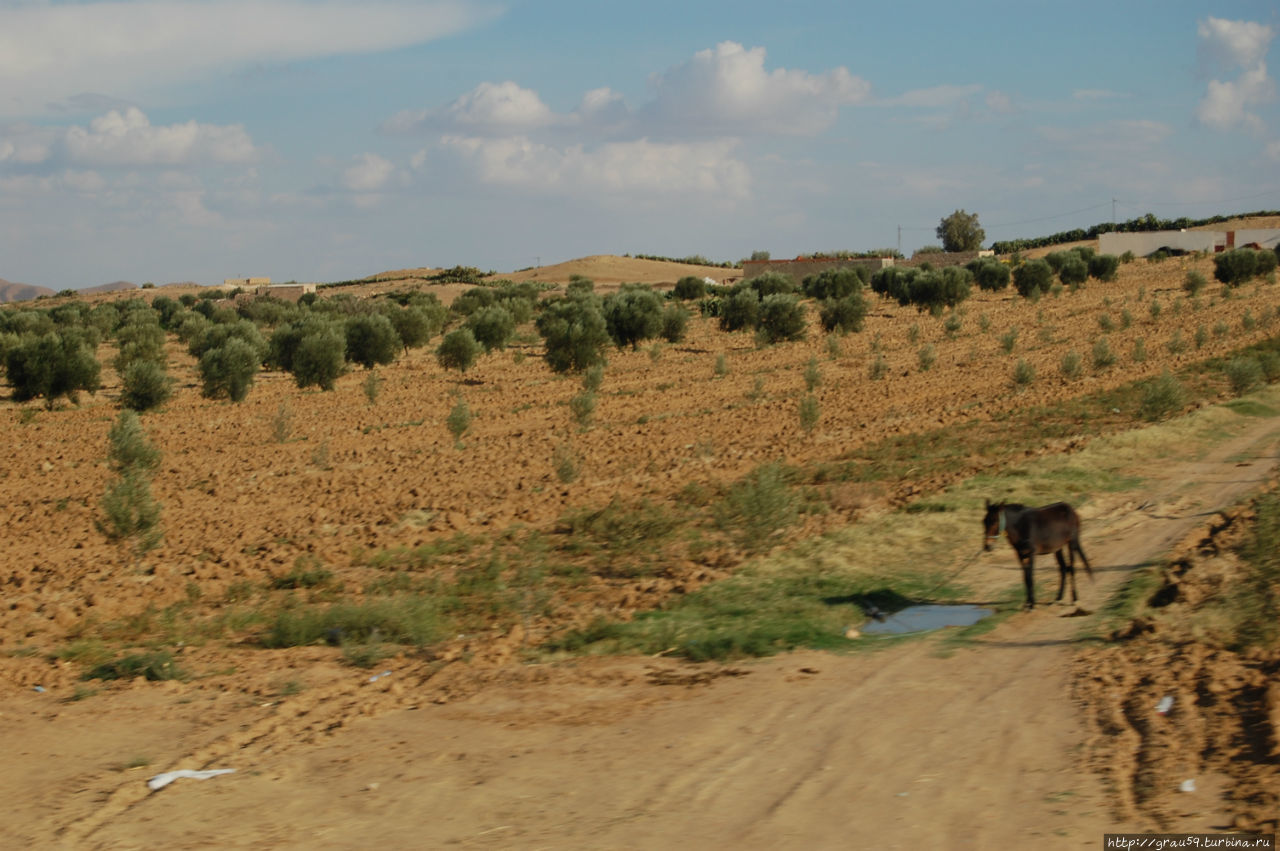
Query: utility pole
x,y
1113,211
899,239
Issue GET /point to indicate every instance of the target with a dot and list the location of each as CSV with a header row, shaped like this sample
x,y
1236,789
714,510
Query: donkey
x,y
1037,531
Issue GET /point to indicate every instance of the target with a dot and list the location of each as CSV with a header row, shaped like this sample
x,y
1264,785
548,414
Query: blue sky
x,y
168,140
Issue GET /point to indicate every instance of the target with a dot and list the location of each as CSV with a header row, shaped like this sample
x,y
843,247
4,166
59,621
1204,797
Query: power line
x,y
1145,204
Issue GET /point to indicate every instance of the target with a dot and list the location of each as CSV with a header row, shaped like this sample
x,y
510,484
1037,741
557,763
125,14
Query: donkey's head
x,y
992,524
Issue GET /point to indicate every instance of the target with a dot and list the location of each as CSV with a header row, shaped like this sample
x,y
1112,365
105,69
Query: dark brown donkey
x,y
1037,531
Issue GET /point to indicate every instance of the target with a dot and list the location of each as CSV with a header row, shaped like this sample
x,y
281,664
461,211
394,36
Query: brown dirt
x,y
909,747
611,754
1224,721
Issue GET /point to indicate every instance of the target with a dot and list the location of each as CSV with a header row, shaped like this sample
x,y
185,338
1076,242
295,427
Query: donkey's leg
x,y
1075,545
1028,580
1063,570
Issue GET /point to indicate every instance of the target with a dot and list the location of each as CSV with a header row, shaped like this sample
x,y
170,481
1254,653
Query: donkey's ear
x,y
986,503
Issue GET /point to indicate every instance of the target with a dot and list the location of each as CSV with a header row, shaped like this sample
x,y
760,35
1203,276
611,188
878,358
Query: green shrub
x,y
1201,337
139,338
833,284
757,508
843,315
51,365
1103,357
927,357
459,419
1194,283
1106,323
689,287
583,407
812,375
1270,363
458,350
319,356
1176,345
1070,366
575,333
1244,374
229,369
1033,275
675,323
809,413
1023,374
416,324
146,386
771,283
1104,267
1074,271
951,325
492,327
741,311
579,285
878,369
633,314
128,446
989,274
1009,340
154,665
1058,259
1161,398
722,366
781,318
1236,266
371,340
592,378
1140,350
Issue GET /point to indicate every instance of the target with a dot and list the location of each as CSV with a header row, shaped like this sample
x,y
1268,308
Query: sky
x,y
323,140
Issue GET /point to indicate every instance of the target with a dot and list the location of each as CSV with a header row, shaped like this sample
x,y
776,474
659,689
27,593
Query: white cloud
x,y
50,52
1000,103
369,173
1225,104
728,90
129,138
1234,44
641,166
498,108
933,97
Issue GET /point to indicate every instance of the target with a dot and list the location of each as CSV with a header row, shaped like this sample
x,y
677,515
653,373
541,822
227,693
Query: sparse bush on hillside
x,y
146,385
1194,283
474,299
132,515
458,350
1103,357
51,365
1161,398
689,287
1032,276
216,335
741,311
757,508
989,274
1244,374
675,323
228,370
633,314
1023,374
492,327
843,315
580,285
459,419
939,288
781,318
575,333
1070,366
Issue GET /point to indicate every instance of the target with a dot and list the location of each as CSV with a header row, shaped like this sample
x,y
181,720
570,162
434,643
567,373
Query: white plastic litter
x,y
39,689
1187,786
1165,704
162,780
377,677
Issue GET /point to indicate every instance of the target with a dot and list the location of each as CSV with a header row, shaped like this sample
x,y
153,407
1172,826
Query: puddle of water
x,y
923,618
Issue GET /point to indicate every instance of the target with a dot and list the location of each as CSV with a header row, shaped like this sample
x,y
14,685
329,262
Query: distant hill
x,y
10,291
114,286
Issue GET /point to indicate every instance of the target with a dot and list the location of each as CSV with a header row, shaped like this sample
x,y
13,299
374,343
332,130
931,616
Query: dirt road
x,y
913,746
